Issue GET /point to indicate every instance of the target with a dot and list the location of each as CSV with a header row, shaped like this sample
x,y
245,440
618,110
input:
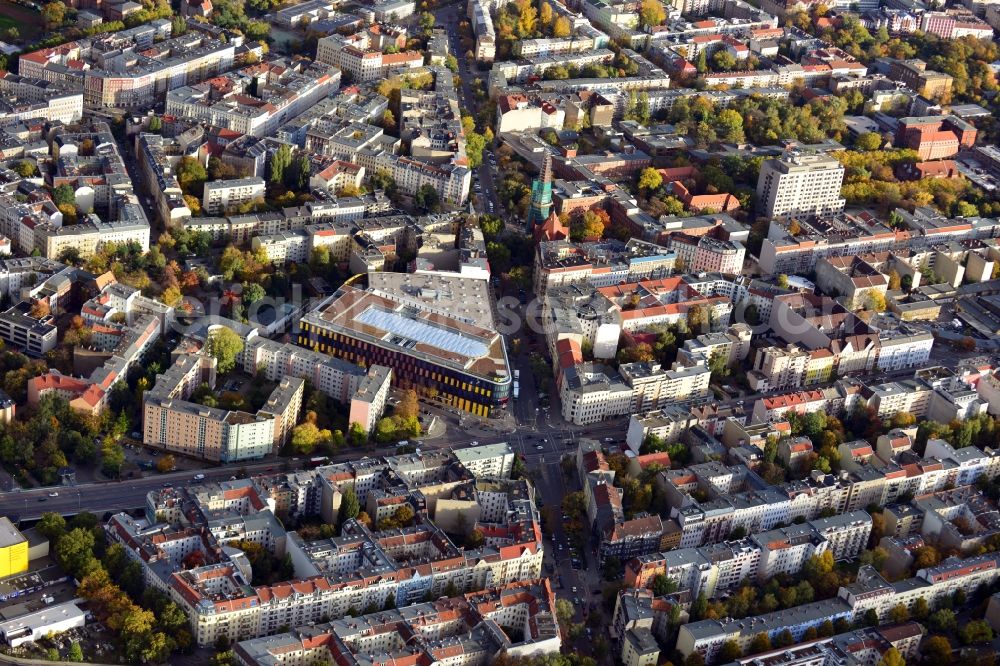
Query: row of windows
x,y
463,396
356,350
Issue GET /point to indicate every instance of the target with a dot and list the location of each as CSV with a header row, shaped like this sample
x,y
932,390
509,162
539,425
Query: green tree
x,y
892,658
280,162
730,651
491,225
977,631
52,526
305,438
191,175
651,13
382,180
943,620
783,639
920,609
75,652
718,365
723,61
663,585
75,549
357,435
729,126
701,62
54,14
650,179
869,141
427,199
564,612
64,195
225,345
349,505
899,613
297,177
25,169
561,27
252,292
474,144
966,209
427,22
112,458
760,643
699,607
936,650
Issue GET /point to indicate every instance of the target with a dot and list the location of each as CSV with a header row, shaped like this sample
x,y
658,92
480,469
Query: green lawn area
x,y
27,21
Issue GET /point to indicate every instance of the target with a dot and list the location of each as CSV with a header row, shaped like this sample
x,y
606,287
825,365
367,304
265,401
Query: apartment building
x,y
365,390
909,396
13,549
357,569
707,254
20,329
715,569
778,368
354,55
800,185
114,350
631,538
158,156
601,264
172,423
221,196
127,69
451,180
118,300
851,279
869,592
669,424
256,100
835,236
593,392
528,605
733,346
100,182
867,645
521,113
600,316
326,221
833,400
91,233
26,99
955,25
478,12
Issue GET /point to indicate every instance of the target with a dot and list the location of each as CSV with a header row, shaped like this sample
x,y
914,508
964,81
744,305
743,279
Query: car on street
x,y
540,447
53,494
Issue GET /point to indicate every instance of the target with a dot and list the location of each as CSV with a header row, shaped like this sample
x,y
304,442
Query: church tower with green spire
x,y
541,194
